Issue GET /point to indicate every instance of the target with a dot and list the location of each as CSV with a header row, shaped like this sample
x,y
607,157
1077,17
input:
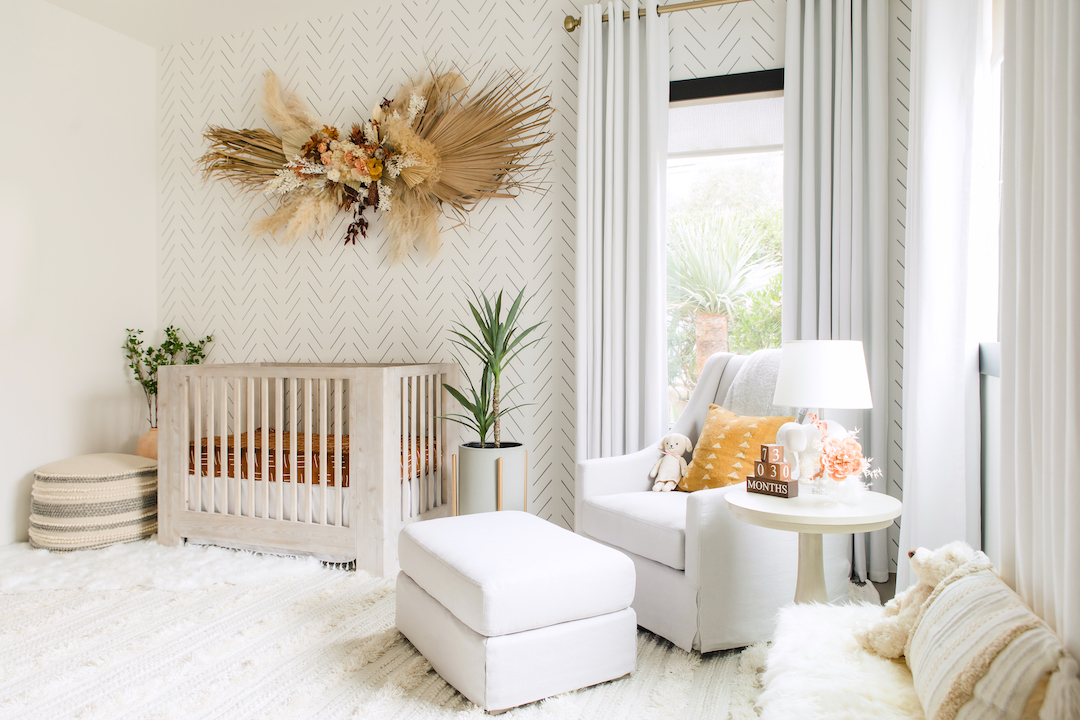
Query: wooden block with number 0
x,y
772,453
773,471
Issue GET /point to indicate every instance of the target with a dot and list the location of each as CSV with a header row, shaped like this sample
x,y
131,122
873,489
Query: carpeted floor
x,y
146,631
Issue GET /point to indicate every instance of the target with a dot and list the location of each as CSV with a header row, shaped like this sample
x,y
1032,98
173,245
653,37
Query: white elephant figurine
x,y
802,446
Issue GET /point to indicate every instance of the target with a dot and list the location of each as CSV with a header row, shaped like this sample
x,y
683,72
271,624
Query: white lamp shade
x,y
823,374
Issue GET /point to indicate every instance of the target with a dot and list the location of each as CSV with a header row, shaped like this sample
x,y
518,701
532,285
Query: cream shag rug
x,y
147,631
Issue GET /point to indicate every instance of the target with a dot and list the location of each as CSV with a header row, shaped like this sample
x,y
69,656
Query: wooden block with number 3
x,y
772,453
773,471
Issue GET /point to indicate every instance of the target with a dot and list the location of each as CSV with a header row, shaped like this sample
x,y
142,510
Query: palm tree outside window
x,y
724,228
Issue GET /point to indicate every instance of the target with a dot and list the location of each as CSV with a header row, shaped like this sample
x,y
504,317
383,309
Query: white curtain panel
x,y
1040,315
947,311
836,118
621,368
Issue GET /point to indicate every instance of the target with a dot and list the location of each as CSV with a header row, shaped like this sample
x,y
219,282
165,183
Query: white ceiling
x,y
163,22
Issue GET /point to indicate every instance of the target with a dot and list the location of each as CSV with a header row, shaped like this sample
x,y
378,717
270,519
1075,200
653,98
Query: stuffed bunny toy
x,y
671,467
889,635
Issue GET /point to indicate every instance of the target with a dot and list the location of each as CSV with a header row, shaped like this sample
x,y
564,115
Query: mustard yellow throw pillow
x,y
728,448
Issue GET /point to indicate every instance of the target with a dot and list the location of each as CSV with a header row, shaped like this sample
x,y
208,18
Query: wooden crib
x,y
323,460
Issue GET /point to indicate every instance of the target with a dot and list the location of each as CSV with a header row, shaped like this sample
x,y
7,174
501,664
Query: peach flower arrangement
x,y
842,457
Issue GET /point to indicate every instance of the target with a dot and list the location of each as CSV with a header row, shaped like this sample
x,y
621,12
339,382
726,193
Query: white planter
x,y
478,471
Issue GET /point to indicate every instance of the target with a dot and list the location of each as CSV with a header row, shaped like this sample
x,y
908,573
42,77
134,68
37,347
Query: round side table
x,y
810,516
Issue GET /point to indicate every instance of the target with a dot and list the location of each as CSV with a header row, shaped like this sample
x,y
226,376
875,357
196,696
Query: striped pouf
x,y
93,501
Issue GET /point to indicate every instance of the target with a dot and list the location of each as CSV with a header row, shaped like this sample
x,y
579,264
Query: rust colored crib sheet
x,y
414,464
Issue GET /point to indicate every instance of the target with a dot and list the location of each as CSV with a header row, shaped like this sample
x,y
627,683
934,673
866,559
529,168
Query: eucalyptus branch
x,y
145,361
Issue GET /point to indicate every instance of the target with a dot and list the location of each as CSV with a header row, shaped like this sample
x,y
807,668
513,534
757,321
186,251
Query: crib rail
x,y
327,460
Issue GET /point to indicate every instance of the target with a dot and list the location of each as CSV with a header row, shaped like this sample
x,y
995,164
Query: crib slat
x,y
338,398
429,466
279,435
413,480
264,407
430,442
323,430
182,459
223,427
251,442
198,388
429,477
436,439
294,476
237,424
421,420
211,441
309,449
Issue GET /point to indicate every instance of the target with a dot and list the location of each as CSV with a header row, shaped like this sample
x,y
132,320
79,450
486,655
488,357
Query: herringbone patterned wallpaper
x,y
899,94
321,301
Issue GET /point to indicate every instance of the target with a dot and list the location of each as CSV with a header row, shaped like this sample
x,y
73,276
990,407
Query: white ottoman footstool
x,y
510,609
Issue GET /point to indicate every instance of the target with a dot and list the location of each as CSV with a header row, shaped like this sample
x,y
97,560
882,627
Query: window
x,y
725,186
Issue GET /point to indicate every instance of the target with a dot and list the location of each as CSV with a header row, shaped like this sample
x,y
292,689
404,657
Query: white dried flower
x,y
295,174
384,198
334,175
416,106
398,163
370,134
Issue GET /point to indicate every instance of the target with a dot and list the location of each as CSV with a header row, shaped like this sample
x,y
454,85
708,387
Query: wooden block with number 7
x,y
773,471
772,453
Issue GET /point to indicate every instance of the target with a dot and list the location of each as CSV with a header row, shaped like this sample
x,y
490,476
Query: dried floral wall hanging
x,y
439,145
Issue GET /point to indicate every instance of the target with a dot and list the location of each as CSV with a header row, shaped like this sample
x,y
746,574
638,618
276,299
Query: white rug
x,y
146,631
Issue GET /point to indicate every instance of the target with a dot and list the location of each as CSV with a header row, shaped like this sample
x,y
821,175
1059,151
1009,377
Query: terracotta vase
x,y
712,337
147,446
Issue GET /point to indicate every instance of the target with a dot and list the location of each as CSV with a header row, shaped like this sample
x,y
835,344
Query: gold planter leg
x,y
498,484
453,487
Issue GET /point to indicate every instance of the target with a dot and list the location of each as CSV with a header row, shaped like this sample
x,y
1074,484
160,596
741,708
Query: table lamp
x,y
819,374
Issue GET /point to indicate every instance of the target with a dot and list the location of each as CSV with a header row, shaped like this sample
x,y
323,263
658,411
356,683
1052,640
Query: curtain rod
x,y
571,23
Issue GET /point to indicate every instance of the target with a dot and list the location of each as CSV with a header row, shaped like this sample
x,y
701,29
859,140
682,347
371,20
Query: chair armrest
x,y
713,534
744,573
608,476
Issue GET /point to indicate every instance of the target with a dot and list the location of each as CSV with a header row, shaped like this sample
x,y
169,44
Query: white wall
x,y
77,251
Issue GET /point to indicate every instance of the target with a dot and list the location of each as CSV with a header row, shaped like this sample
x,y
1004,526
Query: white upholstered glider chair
x,y
705,580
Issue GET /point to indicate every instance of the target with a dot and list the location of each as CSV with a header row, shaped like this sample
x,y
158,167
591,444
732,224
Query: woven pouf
x,y
93,501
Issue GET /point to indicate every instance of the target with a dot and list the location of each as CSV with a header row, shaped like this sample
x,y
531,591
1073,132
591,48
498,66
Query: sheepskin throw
x,y
93,501
816,671
977,651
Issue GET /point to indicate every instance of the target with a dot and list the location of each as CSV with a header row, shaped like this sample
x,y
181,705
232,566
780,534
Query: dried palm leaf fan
x,y
437,146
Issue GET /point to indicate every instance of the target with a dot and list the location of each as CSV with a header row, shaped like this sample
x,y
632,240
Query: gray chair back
x,y
715,386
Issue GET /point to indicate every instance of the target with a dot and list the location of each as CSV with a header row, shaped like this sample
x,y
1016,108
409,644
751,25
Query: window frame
x,y
687,92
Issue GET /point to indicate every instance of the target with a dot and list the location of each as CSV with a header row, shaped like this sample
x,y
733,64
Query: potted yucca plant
x,y
495,340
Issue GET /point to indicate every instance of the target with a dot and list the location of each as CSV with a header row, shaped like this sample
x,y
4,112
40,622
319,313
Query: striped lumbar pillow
x,y
93,501
977,651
